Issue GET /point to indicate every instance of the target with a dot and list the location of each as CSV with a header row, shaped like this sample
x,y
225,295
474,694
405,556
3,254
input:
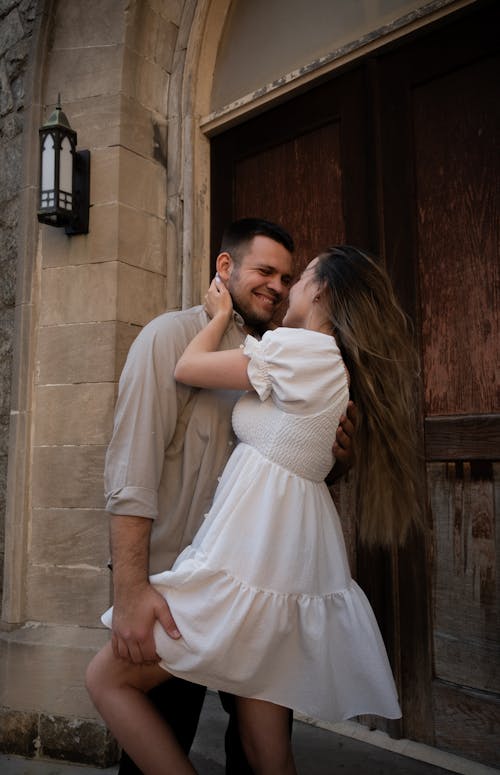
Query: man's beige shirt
x,y
170,442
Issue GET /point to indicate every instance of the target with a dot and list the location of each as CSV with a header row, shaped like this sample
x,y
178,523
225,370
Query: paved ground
x,y
317,752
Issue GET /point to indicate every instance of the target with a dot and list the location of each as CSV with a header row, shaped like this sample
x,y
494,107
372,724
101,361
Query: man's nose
x,y
277,285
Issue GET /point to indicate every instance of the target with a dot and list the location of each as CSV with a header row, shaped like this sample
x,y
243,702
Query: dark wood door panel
x,y
468,721
285,182
465,584
456,129
306,164
466,437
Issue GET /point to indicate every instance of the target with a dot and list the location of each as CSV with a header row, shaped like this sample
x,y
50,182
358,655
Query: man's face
x,y
261,281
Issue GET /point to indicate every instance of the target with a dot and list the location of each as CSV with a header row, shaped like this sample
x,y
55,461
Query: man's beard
x,y
256,324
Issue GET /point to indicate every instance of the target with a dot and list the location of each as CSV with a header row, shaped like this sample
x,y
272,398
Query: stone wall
x,y
78,305
17,19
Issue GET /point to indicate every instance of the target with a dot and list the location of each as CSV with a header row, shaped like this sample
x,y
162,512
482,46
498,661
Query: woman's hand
x,y
218,300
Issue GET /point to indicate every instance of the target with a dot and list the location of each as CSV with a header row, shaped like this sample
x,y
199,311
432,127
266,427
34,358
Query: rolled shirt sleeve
x,y
146,415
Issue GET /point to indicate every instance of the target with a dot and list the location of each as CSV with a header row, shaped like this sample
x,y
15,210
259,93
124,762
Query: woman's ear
x,y
224,266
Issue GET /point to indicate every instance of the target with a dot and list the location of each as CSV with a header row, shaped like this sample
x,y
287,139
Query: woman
x,y
263,597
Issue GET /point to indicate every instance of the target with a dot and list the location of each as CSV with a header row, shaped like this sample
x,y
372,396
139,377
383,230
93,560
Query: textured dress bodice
x,y
301,390
285,438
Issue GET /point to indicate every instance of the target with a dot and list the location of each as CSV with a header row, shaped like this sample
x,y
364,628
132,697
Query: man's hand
x,y
343,449
137,604
134,616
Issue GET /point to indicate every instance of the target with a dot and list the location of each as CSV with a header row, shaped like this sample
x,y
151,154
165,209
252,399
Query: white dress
x,y
263,597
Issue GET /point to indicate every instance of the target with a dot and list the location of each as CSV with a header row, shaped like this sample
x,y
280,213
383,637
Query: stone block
x,y
67,594
6,338
104,176
143,183
97,22
101,292
79,294
77,740
137,127
74,414
166,40
155,38
11,31
175,157
27,240
83,352
22,363
6,95
174,238
100,244
146,81
68,477
42,668
97,120
142,239
18,732
70,537
137,284
171,10
32,735
19,484
80,73
125,335
10,164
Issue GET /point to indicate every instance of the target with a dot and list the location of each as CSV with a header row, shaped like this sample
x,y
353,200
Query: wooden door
x,y
400,155
440,149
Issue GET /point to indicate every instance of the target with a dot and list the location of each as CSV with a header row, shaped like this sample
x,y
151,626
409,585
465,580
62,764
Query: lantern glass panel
x,y
47,192
66,175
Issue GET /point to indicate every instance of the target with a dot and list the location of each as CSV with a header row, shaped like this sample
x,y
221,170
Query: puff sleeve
x,y
302,370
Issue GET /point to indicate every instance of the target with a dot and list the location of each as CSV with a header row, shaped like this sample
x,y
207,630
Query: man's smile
x,y
267,299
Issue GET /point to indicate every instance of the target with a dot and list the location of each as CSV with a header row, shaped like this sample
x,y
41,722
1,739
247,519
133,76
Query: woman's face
x,y
302,298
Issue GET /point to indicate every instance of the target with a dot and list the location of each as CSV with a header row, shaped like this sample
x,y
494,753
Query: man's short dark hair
x,y
238,235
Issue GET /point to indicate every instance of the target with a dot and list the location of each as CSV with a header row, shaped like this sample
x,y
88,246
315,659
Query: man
x,y
170,443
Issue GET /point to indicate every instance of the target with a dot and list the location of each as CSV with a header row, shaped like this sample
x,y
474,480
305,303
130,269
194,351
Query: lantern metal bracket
x,y
81,192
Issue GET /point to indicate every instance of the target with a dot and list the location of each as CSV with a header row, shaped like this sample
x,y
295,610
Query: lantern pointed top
x,y
58,117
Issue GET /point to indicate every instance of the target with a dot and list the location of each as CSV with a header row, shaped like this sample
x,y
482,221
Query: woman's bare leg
x,y
265,734
118,690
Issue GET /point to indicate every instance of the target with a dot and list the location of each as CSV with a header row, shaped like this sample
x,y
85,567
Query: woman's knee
x,y
105,672
95,677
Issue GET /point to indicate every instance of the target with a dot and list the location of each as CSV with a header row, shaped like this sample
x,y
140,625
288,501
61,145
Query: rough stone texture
x,y
16,27
37,734
78,740
18,732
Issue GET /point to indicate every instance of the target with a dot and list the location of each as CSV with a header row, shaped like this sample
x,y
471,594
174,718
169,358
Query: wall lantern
x,y
64,176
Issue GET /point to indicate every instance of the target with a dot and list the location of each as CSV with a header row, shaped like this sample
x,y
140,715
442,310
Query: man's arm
x,y
343,448
137,604
145,419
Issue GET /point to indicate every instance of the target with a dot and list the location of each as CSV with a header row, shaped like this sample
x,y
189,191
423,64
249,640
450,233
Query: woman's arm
x,y
201,364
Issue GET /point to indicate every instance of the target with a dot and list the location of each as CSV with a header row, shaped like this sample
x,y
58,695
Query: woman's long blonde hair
x,y
373,335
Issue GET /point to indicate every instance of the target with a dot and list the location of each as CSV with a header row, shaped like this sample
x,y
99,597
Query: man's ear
x,y
224,266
